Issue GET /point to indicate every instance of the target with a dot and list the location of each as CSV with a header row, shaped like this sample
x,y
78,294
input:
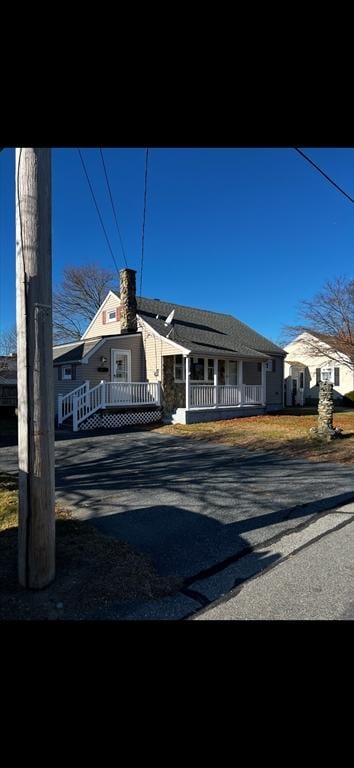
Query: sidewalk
x,y
305,574
315,580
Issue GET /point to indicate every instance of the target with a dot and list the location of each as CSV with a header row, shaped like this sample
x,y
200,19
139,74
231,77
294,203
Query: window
x,y
180,368
318,375
233,372
197,369
111,316
336,377
301,380
210,376
326,374
201,368
66,372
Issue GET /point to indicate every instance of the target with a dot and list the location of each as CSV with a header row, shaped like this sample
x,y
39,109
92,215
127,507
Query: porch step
x,y
198,415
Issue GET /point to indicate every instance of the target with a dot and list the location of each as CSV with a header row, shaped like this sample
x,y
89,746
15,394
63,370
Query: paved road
x,y
190,505
315,583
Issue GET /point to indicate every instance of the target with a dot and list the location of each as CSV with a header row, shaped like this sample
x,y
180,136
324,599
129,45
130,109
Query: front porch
x,y
111,404
226,388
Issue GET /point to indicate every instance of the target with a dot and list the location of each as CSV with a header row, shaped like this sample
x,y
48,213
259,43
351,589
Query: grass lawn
x,y
283,433
94,572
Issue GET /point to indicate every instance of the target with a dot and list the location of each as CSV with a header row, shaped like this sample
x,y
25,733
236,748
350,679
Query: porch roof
x,y
206,333
73,353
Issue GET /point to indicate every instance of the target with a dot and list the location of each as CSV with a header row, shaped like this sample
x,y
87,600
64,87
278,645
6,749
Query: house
x,y
303,371
8,380
143,358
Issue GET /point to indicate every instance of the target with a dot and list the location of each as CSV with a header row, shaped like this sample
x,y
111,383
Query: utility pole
x,y
36,550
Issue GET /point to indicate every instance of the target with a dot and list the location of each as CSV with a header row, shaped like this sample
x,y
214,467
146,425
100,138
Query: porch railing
x,y
66,402
139,393
83,401
209,396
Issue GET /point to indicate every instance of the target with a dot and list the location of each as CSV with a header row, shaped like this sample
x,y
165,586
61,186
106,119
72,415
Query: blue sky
x,y
249,232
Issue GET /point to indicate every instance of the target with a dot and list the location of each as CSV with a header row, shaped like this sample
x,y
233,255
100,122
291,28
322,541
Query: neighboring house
x,y
141,357
8,380
303,372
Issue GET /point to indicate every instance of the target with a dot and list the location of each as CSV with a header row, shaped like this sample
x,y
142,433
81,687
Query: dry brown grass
x,y
283,433
93,571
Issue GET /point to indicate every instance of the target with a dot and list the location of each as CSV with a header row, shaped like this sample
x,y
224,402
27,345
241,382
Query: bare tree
x,y
328,319
8,341
78,298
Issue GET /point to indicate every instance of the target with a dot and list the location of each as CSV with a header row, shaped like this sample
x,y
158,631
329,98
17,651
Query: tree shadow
x,y
197,510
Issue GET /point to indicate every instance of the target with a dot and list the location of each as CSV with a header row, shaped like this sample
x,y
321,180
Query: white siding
x,y
296,351
99,328
154,349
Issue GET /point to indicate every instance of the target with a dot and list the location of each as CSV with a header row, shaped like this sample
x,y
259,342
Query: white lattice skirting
x,y
107,420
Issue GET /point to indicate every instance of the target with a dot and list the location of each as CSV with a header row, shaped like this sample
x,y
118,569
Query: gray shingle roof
x,y
204,332
73,353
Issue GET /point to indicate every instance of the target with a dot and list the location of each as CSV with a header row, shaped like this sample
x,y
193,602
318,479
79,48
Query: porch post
x,y
60,409
188,382
240,377
75,412
103,393
216,374
264,393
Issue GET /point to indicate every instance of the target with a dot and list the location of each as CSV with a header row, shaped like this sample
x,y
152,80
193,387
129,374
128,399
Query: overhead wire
x,y
113,206
98,211
144,216
323,174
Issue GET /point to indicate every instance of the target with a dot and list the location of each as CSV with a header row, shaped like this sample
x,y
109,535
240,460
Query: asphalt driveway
x,y
190,505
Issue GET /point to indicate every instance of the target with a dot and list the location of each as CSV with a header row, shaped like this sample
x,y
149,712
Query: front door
x,y
121,374
121,365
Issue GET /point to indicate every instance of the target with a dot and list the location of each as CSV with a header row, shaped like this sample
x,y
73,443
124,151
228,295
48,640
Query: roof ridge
x,y
186,306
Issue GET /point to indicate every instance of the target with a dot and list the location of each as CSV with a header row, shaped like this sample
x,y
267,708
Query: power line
x,y
113,208
143,231
98,211
324,174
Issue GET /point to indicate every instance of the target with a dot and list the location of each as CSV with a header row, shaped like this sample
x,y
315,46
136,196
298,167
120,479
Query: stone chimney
x,y
128,300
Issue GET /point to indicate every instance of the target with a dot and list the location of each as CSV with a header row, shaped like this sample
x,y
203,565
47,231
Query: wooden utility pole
x,y
36,558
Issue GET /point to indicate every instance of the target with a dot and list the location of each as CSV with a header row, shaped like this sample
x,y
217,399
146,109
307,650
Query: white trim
x,y
168,341
67,344
188,383
107,338
84,360
128,354
63,376
264,383
94,349
109,294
